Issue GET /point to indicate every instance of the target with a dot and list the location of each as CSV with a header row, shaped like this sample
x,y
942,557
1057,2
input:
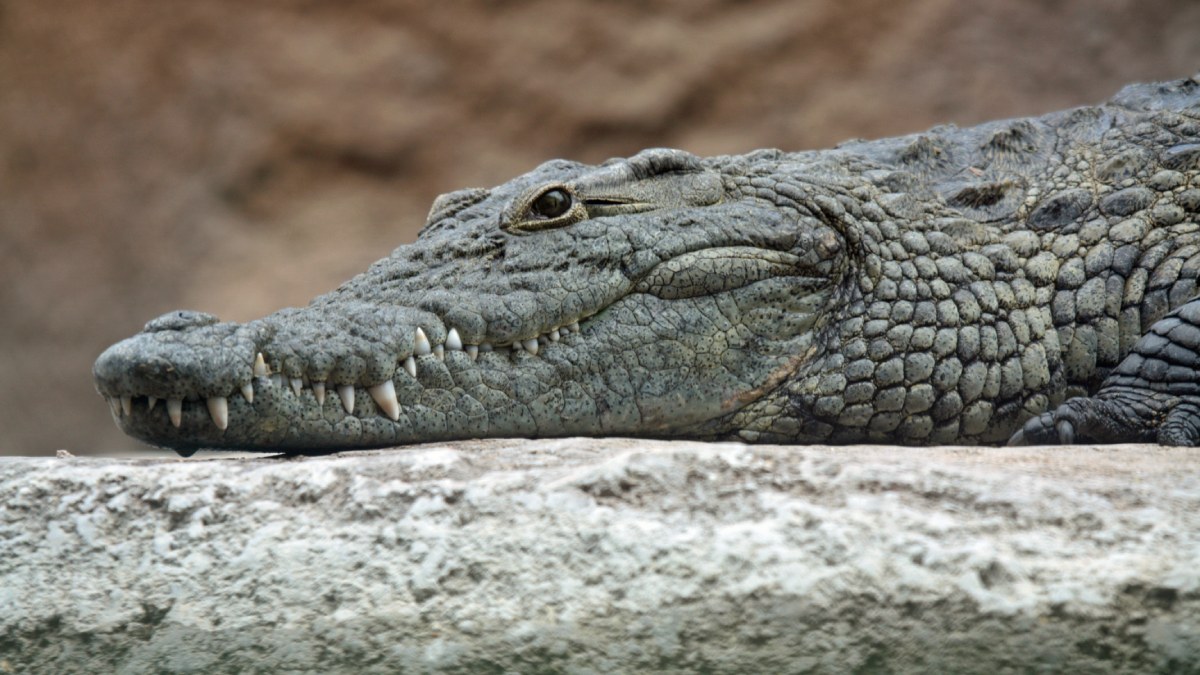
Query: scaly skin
x,y
945,287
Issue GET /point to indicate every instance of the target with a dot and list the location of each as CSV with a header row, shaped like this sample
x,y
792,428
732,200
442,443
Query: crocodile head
x,y
649,296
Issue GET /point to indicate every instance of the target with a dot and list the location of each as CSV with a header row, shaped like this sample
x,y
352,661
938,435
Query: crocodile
x,y
1029,280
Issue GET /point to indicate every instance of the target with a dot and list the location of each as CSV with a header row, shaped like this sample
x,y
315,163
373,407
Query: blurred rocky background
x,y
238,157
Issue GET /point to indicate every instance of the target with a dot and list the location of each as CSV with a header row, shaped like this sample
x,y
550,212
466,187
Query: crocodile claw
x,y
1066,432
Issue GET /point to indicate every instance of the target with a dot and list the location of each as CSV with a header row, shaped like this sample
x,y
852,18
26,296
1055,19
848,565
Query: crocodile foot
x,y
1152,396
1130,417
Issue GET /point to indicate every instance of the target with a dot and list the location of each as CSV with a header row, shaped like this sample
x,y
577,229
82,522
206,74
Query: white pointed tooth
x,y
218,407
276,379
248,392
346,393
485,347
453,341
410,366
473,351
175,411
384,394
530,345
297,385
516,346
421,344
114,405
574,326
554,335
319,392
260,366
127,405
439,352
151,401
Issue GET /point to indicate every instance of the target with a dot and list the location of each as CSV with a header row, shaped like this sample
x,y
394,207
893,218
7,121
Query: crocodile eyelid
x,y
547,207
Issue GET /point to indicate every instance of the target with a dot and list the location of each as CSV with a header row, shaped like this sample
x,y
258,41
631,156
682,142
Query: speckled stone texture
x,y
605,556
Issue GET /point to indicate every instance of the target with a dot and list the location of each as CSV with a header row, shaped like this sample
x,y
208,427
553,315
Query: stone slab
x,y
605,556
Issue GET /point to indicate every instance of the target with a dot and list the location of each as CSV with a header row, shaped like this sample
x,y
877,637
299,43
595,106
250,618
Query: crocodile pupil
x,y
552,203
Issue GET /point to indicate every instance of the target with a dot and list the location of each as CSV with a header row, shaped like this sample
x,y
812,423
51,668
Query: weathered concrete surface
x,y
601,556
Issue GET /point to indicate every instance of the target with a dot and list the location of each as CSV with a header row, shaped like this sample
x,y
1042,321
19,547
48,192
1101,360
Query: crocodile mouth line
x,y
383,393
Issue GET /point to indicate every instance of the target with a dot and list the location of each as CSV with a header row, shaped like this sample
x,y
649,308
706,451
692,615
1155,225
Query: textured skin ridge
x,y
952,286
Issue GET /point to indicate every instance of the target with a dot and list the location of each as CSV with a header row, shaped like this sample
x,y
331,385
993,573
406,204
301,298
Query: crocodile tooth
x,y
248,392
297,385
410,366
114,405
346,393
421,344
218,407
384,394
485,347
439,352
453,341
516,346
260,366
319,392
554,335
127,405
151,401
473,351
574,326
175,411
530,345
276,379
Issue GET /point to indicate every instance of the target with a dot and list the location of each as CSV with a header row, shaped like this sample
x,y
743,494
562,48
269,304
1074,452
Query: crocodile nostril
x,y
182,319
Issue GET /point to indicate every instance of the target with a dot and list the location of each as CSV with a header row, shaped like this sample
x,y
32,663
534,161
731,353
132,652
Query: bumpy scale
x,y
1033,279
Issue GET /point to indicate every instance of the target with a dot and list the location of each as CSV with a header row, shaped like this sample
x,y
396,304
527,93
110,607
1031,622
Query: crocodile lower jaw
x,y
382,393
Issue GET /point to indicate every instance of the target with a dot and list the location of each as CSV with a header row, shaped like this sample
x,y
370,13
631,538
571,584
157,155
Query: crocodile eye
x,y
550,207
551,204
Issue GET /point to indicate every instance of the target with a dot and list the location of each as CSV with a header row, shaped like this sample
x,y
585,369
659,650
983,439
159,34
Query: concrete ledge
x,y
603,556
